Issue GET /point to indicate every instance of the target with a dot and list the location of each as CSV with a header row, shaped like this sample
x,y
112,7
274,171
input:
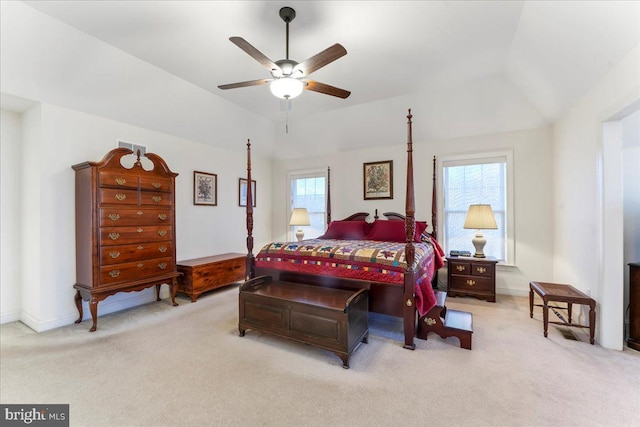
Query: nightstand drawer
x,y
485,270
458,267
475,284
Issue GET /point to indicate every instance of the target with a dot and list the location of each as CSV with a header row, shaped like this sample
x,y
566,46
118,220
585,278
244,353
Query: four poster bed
x,y
395,259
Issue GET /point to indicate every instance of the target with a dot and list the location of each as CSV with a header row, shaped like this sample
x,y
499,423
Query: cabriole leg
x,y
78,300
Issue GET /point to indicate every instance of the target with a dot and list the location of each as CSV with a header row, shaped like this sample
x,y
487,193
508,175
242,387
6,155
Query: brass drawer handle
x,y
139,230
162,265
114,254
139,213
120,197
162,233
156,185
162,249
460,267
481,270
114,236
114,217
156,198
140,265
162,217
471,282
140,248
121,181
409,303
114,273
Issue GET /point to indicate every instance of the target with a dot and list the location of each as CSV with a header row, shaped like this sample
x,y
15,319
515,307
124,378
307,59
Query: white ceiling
x,y
551,53
465,68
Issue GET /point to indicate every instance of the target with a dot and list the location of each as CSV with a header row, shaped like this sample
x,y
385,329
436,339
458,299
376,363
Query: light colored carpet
x,y
159,365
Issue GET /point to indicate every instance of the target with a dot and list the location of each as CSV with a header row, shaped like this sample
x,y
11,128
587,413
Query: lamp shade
x,y
286,87
480,217
299,216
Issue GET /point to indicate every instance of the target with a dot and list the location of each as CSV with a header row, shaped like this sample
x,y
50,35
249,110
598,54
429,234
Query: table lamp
x,y
299,217
480,217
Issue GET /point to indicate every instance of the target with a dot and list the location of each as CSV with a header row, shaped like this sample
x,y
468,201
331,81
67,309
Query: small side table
x,y
562,293
475,277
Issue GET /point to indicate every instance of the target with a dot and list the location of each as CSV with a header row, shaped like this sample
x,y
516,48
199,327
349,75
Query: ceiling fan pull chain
x,y
286,123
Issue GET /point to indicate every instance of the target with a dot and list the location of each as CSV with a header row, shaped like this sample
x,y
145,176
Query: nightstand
x,y
475,277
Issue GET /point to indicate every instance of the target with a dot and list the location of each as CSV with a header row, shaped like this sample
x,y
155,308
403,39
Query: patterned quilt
x,y
357,259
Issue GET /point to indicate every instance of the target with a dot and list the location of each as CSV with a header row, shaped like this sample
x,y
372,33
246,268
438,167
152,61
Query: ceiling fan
x,y
288,76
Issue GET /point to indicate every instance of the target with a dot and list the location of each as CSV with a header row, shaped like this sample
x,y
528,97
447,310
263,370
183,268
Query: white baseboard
x,y
112,304
9,317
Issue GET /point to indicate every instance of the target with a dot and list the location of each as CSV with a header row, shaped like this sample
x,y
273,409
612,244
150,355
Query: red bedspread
x,y
357,259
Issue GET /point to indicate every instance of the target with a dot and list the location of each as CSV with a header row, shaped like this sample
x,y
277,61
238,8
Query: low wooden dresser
x,y
125,228
329,318
469,276
205,274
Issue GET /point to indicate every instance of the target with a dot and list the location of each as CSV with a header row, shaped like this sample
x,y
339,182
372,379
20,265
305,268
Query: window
x,y
308,190
472,179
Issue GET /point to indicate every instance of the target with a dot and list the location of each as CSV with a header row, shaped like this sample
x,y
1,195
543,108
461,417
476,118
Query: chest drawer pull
x,y
139,213
481,270
162,217
460,267
114,273
156,185
120,197
121,181
162,249
162,233
140,248
114,217
140,265
156,199
162,265
471,282
139,230
114,254
114,236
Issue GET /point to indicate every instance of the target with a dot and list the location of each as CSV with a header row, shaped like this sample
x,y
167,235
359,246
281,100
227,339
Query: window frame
x,y
478,157
302,174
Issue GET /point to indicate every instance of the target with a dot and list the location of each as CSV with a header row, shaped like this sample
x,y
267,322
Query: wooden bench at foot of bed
x,y
328,318
446,323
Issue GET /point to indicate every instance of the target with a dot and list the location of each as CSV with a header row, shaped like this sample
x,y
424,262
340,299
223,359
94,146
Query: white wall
x,y
581,185
533,187
55,138
10,244
631,195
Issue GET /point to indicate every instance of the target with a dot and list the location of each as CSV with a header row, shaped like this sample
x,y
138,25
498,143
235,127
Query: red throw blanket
x,y
358,259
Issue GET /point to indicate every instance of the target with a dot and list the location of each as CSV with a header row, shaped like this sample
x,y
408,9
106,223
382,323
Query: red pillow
x,y
394,231
354,230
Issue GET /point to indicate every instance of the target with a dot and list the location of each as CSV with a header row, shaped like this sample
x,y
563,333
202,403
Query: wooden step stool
x,y
446,322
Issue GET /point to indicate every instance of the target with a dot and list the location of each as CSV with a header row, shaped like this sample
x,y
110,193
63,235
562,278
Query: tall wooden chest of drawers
x,y
125,229
474,277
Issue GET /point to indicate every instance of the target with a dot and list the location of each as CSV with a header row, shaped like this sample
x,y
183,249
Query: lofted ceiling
x,y
548,53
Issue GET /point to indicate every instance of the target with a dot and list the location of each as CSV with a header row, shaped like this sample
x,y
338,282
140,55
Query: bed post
x,y
434,203
409,311
328,195
250,265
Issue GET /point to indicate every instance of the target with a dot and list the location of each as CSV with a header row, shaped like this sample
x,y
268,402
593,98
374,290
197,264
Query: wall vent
x,y
133,147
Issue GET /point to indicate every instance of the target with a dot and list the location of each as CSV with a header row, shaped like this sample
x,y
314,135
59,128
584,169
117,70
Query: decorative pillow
x,y
394,231
346,230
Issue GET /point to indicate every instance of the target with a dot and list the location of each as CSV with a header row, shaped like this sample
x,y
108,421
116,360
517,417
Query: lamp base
x,y
478,242
300,234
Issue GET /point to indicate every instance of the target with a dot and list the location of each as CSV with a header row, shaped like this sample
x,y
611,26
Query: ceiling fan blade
x,y
245,84
326,89
254,53
321,59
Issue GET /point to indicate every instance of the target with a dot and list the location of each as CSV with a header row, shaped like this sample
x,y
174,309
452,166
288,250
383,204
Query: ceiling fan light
x,y
286,87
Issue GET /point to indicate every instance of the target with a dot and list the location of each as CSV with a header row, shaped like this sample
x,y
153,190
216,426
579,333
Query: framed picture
x,y
378,180
205,188
242,192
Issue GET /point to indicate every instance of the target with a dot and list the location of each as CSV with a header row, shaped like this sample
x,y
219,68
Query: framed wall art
x,y
242,192
378,180
205,188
